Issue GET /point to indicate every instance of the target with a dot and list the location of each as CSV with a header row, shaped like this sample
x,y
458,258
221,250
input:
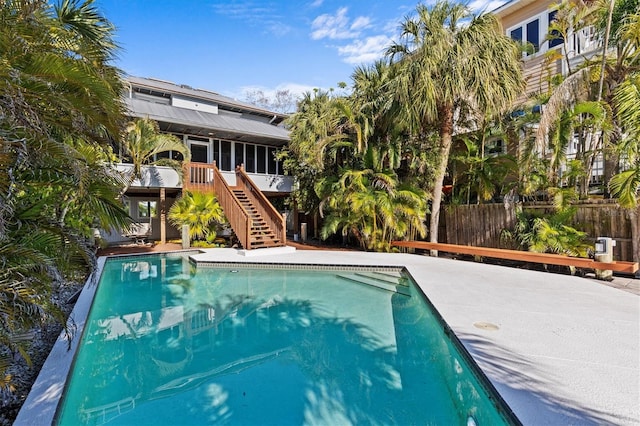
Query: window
x,y
533,34
147,209
555,36
216,152
250,163
494,146
225,156
261,153
517,34
239,153
271,158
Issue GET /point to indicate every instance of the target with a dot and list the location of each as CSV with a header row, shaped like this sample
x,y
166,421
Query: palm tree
x,y
59,108
371,204
478,174
625,186
201,212
610,69
318,145
451,62
142,141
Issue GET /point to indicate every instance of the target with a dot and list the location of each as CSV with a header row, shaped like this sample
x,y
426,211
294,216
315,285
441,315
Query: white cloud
x,y
361,22
334,27
316,3
255,15
364,51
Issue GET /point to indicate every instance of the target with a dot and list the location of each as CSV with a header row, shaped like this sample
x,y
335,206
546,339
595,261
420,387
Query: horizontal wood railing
x,y
523,256
207,178
273,218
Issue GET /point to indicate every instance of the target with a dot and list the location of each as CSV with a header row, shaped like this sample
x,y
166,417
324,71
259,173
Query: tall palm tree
x,y
451,62
142,141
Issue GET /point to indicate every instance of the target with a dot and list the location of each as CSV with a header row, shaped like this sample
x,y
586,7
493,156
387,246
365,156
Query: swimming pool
x,y
166,342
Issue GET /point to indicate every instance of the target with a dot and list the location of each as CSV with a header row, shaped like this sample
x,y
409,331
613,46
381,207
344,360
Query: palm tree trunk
x,y
446,132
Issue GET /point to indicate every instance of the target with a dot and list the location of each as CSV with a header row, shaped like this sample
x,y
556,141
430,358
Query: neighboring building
x,y
217,129
527,21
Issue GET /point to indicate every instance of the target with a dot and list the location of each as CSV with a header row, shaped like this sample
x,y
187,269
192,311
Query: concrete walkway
x,y
564,350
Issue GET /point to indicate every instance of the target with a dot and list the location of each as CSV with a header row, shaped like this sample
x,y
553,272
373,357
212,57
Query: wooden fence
x,y
477,224
481,225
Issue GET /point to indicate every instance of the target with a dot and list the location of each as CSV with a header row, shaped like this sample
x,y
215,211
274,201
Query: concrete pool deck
x,y
559,349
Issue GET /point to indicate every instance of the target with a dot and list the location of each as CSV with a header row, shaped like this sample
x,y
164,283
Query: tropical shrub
x,y
201,212
550,233
60,107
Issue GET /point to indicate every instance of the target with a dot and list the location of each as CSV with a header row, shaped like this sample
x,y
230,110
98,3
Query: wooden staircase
x,y
256,223
260,233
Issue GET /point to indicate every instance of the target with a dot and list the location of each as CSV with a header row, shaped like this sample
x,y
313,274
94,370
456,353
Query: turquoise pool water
x,y
169,343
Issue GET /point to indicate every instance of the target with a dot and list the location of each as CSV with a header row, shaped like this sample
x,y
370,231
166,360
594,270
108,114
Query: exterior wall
x,y
152,176
536,67
522,14
116,236
183,102
536,75
538,70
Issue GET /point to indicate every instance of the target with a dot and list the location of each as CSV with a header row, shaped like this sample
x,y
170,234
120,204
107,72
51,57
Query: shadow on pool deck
x,y
514,374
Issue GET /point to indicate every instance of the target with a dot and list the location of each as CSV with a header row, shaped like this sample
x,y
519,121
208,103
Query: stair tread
x,y
382,285
261,234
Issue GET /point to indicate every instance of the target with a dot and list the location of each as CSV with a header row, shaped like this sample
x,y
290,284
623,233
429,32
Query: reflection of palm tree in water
x,y
345,368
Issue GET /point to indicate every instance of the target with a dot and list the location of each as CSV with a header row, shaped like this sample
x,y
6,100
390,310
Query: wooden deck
x,y
522,256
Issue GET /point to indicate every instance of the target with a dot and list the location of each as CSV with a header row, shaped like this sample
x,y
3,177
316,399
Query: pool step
x,y
374,281
392,277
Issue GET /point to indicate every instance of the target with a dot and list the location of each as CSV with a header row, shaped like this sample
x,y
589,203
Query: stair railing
x,y
207,178
272,217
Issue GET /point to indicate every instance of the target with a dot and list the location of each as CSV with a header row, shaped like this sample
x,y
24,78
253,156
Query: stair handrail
x,y
273,218
237,216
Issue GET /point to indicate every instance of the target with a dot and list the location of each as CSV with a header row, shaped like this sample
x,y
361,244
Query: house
x,y
222,135
528,22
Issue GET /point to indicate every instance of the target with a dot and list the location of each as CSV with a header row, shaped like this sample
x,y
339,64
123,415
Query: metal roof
x,y
224,101
188,121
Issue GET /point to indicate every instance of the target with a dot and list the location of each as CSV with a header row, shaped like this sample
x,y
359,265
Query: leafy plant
x,y
201,212
550,234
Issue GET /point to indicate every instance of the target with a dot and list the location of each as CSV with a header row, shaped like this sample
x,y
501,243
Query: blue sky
x,y
234,46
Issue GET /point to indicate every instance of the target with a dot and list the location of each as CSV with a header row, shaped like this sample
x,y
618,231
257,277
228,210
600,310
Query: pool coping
x,y
564,350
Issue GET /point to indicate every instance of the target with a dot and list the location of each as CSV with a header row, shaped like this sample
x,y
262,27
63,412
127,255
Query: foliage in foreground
x,y
59,108
403,109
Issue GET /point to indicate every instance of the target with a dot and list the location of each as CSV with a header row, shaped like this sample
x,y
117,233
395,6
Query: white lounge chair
x,y
138,232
